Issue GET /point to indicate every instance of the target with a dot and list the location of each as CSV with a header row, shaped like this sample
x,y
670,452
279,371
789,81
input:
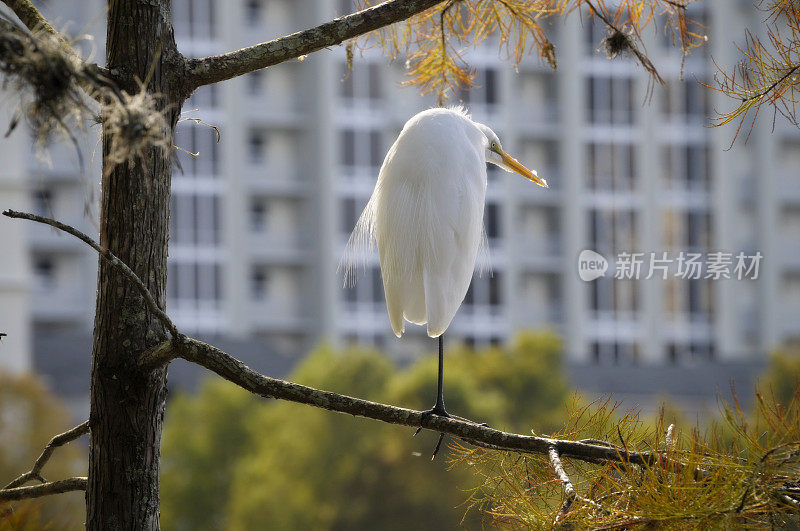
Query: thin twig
x,y
59,440
440,93
46,489
760,94
110,258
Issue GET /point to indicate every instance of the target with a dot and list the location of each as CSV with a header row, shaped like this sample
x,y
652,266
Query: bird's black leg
x,y
439,408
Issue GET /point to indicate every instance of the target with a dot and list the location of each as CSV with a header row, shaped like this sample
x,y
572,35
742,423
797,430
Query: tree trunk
x,y
127,404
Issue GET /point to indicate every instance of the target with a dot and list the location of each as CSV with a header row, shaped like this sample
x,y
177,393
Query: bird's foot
x,y
439,411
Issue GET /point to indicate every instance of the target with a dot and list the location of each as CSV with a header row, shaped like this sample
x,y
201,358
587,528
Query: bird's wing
x,y
399,221
451,255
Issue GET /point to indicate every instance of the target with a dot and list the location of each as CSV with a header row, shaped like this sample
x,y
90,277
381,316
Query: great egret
x,y
426,217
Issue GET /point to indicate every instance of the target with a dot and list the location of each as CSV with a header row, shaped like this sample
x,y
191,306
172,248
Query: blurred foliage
x,y
234,462
29,417
204,435
782,377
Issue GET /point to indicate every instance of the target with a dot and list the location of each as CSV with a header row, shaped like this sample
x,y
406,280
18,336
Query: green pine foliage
x,y
740,473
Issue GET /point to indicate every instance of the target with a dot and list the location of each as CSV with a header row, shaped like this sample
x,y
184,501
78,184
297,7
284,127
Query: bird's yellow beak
x,y
516,166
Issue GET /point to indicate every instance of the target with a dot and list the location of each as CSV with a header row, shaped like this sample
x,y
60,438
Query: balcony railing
x,y
275,179
269,315
58,303
274,246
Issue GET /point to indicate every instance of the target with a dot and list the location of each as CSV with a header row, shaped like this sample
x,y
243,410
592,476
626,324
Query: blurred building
x,y
259,219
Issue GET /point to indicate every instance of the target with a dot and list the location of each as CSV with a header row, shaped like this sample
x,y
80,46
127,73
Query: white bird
x,y
426,218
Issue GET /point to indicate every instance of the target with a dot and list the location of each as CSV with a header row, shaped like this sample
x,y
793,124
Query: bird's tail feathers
x,y
484,261
359,245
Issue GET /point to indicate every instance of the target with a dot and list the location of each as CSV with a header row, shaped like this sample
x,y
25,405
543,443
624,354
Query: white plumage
x,y
426,215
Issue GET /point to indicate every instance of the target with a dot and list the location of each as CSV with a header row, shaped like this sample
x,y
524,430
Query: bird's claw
x,y
439,411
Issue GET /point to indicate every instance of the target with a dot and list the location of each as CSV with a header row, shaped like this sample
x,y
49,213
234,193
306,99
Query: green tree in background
x,y
235,463
29,416
782,377
205,434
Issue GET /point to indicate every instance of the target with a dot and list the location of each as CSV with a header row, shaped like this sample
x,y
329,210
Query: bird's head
x,y
496,155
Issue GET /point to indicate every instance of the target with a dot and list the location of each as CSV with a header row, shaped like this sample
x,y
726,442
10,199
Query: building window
x,y
686,101
209,284
608,352
495,289
255,82
252,12
375,149
258,284
255,147
345,7
611,166
609,100
44,271
348,153
362,148
192,19
374,73
469,298
199,153
350,213
484,94
43,202
491,217
687,167
677,353
377,286
258,215
361,84
203,98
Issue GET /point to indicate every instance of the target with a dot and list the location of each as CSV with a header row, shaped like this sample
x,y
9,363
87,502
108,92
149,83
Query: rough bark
x,y
127,403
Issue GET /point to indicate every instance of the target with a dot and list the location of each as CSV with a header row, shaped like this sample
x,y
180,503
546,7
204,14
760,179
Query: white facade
x,y
259,220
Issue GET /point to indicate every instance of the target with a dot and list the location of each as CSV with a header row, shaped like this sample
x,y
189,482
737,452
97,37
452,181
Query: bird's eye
x,y
493,146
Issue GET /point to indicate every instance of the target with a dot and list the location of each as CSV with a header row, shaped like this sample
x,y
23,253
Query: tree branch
x,y
46,489
59,440
237,372
110,257
569,490
32,17
216,68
